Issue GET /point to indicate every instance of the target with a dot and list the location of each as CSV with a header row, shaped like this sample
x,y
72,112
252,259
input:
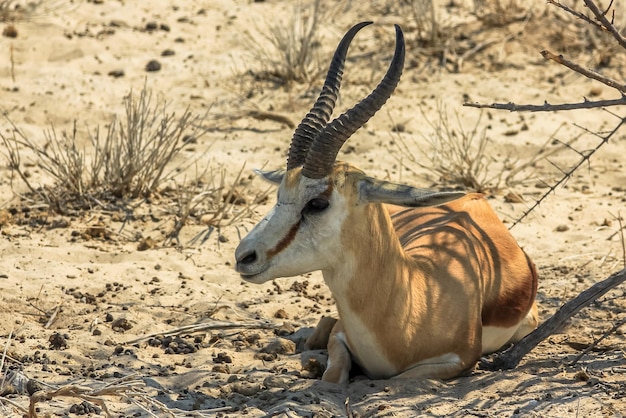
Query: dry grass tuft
x,y
457,155
291,56
130,161
216,202
12,11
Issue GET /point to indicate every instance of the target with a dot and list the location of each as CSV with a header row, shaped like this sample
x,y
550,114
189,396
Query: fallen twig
x,y
598,341
206,326
82,392
261,115
53,316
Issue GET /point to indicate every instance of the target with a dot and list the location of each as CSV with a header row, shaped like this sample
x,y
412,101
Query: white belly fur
x,y
366,351
495,337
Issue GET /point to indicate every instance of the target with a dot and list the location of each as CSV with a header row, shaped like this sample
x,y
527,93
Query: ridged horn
x,y
320,113
321,157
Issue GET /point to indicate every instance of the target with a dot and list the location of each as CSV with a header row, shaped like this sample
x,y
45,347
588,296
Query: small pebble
x,y
153,65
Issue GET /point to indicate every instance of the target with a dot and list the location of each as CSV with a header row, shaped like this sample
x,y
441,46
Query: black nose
x,y
248,258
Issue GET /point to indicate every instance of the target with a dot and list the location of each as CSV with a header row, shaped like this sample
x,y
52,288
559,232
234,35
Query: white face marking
x,y
288,241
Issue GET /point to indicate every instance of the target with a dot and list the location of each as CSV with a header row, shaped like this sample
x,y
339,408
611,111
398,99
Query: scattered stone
x,y
116,73
153,65
222,358
150,26
121,325
247,388
168,53
285,329
84,408
281,314
280,346
313,368
9,31
58,341
221,368
281,382
146,244
175,345
562,228
512,197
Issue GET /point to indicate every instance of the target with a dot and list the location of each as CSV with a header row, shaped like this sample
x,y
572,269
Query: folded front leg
x,y
339,360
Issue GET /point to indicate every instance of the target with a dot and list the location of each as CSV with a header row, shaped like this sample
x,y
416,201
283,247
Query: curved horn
x,y
321,111
325,147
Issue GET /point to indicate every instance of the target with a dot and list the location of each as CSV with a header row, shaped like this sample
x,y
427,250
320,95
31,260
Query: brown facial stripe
x,y
285,241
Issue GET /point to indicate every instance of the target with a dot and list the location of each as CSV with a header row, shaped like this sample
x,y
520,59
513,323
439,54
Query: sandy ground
x,y
249,358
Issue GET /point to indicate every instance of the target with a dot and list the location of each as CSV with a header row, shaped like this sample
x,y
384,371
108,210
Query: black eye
x,y
315,206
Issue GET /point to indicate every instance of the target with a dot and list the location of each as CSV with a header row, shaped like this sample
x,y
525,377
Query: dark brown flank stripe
x,y
285,241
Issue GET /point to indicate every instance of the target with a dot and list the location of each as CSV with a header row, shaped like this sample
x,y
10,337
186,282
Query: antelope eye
x,y
315,205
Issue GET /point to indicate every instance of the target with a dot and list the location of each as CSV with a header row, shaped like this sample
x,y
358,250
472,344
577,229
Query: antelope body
x,y
425,282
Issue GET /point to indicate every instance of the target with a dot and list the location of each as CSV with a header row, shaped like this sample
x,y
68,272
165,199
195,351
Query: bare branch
x,y
601,16
577,14
584,158
580,70
593,345
547,107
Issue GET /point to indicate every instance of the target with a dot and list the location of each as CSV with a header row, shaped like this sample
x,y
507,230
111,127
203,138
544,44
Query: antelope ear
x,y
274,177
373,190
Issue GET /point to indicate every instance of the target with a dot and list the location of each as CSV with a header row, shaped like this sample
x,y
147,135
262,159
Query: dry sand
x,y
108,293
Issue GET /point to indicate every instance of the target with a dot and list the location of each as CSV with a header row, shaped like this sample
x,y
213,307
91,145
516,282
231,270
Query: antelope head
x,y
317,196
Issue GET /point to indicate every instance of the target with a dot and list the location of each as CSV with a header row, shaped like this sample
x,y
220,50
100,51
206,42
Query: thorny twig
x,y
547,107
593,345
585,156
609,26
580,70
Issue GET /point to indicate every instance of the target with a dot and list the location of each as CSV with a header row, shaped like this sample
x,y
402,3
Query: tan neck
x,y
372,280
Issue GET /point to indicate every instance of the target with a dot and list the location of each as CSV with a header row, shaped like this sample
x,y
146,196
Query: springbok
x,y
424,281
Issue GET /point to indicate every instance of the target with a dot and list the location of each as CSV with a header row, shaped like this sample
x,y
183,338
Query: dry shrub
x,y
131,160
291,54
17,11
457,155
215,202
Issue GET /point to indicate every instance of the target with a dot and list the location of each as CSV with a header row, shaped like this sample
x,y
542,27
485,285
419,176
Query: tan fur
x,y
414,287
460,270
